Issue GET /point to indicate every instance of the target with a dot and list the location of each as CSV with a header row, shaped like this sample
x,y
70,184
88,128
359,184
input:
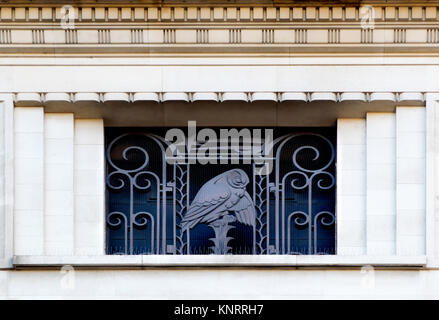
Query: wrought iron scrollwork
x,y
151,202
130,180
309,180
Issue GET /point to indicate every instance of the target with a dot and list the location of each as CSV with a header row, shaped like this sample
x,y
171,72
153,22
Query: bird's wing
x,y
207,201
245,210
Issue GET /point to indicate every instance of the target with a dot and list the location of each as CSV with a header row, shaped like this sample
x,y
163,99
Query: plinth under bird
x,y
220,196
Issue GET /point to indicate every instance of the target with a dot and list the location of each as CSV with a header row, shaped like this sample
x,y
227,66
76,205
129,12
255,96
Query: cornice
x,y
40,98
405,12
174,29
225,3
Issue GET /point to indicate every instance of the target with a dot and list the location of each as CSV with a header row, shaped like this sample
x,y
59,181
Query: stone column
x,y
6,179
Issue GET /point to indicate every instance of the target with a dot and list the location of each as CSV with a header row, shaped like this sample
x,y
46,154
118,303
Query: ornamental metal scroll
x,y
132,182
154,207
308,180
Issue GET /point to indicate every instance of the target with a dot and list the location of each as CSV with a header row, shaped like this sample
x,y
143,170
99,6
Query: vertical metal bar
x,y
315,234
157,214
187,205
289,234
152,235
310,226
126,237
254,204
276,216
267,212
163,185
282,188
174,206
131,213
163,251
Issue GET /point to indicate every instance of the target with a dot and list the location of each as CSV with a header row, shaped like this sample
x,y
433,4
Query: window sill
x,y
113,261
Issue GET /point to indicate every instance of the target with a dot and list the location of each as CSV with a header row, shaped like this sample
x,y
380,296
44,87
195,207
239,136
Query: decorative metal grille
x,y
158,208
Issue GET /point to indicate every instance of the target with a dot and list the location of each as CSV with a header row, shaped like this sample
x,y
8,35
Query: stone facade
x,y
68,72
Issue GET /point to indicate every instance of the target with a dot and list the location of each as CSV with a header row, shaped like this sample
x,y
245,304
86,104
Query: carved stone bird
x,y
219,197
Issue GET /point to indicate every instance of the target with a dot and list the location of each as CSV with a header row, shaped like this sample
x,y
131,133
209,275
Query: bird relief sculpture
x,y
219,202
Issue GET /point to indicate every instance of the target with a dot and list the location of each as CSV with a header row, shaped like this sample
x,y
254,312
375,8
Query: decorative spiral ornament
x,y
295,183
115,219
300,218
326,218
125,155
146,181
140,219
316,155
110,179
322,180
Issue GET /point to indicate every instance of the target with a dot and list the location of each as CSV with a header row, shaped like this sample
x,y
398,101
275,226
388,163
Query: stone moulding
x,y
35,99
143,27
219,261
404,11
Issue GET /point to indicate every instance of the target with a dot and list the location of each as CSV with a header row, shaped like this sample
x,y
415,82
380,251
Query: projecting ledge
x,y
136,261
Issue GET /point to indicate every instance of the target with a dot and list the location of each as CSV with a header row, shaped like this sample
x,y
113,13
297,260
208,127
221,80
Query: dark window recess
x,y
151,207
